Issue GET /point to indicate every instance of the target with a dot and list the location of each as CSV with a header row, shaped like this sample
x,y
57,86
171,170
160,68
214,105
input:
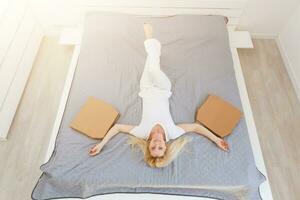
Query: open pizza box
x,y
95,118
218,115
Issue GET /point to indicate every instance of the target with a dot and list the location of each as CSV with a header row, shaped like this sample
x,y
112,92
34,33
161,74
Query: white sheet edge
x,y
265,189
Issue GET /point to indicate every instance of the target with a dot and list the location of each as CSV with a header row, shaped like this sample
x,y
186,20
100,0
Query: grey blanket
x,y
196,57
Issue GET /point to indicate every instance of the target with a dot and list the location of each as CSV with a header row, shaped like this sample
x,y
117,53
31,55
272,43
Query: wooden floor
x,y
277,116
23,153
272,98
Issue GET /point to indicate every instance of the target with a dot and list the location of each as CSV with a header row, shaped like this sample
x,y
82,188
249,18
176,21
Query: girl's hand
x,y
95,150
222,144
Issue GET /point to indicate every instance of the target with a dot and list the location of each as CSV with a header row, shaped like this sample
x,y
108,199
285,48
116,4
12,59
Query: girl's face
x,y
157,145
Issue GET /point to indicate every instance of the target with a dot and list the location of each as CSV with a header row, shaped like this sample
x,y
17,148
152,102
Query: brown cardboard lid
x,y
218,115
95,118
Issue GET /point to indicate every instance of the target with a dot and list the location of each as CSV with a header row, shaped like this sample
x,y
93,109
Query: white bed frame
x,y
238,39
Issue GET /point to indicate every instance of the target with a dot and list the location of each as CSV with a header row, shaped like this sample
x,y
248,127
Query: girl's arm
x,y
201,130
117,128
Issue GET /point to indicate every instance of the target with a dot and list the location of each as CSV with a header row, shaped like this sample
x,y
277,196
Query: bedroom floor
x,y
272,98
276,113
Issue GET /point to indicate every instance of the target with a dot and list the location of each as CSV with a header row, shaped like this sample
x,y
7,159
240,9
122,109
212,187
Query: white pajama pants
x,y
155,90
152,75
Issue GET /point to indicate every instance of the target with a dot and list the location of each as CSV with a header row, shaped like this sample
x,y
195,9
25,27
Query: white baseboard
x,y
289,67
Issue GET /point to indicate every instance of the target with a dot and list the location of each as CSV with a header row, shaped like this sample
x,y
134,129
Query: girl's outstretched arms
x,y
117,128
201,130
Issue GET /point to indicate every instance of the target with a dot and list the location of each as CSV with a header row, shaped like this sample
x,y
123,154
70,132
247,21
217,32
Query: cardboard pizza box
x,y
95,118
218,115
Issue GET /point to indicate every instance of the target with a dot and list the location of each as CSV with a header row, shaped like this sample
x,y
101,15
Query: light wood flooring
x,y
23,153
276,113
272,98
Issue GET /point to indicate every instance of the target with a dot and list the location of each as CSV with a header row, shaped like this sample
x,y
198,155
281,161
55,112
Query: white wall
x,y
54,15
289,45
265,18
20,36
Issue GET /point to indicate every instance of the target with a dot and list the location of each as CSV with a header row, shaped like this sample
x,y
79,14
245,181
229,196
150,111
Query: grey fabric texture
x,y
196,57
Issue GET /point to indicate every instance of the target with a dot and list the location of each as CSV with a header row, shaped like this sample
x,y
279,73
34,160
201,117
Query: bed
x,y
239,98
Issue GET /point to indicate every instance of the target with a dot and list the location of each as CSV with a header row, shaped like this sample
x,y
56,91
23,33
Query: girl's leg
x,y
146,80
160,79
152,75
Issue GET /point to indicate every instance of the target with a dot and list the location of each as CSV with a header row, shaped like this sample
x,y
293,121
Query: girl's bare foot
x,y
222,144
148,30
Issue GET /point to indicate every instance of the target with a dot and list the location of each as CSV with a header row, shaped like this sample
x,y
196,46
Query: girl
x,y
157,127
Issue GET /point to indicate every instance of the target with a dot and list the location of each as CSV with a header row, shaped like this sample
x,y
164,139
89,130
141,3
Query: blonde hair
x,y
172,150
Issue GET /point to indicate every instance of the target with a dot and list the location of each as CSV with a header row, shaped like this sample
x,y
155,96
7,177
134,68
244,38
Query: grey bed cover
x,y
196,57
